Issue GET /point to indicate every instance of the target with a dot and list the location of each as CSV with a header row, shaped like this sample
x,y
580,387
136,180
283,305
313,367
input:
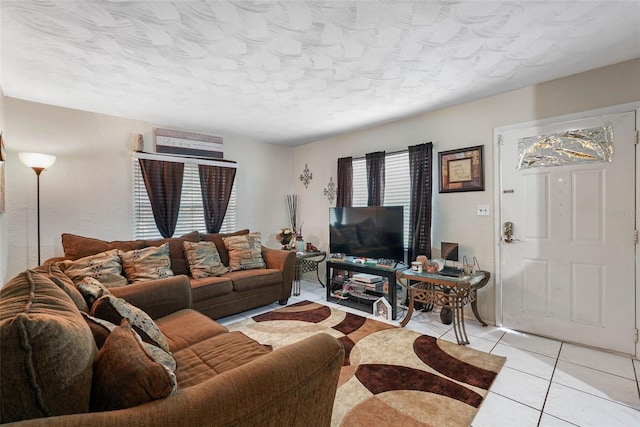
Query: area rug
x,y
391,376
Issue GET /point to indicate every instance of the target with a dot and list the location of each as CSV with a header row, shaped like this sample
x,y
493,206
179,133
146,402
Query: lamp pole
x,y
38,162
38,171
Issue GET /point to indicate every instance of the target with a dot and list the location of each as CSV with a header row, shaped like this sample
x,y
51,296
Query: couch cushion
x,y
150,263
203,259
248,280
187,327
76,247
114,309
64,282
47,351
104,267
217,239
178,262
210,287
245,252
126,375
216,355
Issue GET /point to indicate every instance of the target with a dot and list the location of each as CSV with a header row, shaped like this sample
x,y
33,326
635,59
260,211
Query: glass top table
x,y
306,262
444,291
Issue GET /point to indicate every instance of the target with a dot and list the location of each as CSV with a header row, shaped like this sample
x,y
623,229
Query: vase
x,y
446,315
300,246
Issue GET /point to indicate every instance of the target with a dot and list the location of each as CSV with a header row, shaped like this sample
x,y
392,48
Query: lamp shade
x,y
37,160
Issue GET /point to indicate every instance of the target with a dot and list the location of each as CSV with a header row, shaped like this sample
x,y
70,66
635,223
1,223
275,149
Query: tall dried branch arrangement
x,y
292,202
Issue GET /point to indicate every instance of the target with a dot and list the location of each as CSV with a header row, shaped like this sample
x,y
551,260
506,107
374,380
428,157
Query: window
x,y
191,215
397,184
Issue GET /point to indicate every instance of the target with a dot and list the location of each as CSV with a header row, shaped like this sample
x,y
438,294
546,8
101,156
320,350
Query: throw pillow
x,y
217,238
203,259
91,290
178,263
76,247
100,329
245,252
125,375
46,352
147,264
105,267
114,309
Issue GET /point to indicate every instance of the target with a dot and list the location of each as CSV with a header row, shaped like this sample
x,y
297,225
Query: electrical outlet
x,y
483,210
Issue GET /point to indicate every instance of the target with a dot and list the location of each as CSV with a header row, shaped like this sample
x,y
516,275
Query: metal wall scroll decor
x,y
306,176
566,148
330,190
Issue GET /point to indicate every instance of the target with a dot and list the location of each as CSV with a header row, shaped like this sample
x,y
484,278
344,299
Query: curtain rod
x,y
390,152
191,160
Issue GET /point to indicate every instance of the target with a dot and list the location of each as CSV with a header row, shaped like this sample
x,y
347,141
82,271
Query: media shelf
x,y
363,297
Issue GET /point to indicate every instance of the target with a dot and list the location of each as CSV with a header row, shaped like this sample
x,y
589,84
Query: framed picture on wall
x,y
461,170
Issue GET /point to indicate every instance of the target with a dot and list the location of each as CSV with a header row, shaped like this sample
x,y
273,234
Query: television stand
x,y
363,299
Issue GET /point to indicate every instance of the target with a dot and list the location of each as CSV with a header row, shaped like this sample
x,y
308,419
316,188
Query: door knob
x,y
508,232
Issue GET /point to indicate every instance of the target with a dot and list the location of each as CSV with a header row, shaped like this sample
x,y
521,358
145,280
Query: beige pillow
x,y
147,264
203,259
91,290
104,267
245,252
114,309
126,375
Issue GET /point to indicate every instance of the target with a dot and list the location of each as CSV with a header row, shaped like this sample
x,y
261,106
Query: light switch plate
x,y
483,210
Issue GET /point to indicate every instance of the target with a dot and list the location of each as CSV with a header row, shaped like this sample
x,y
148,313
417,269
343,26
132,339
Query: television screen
x,y
367,232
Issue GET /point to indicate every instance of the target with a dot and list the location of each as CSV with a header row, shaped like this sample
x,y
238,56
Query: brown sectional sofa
x,y
223,378
231,293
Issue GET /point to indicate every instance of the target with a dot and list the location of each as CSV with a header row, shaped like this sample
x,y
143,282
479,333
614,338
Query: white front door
x,y
569,273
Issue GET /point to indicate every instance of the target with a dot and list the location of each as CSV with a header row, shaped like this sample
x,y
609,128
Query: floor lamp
x,y
37,162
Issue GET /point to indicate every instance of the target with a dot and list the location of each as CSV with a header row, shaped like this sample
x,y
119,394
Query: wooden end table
x,y
444,291
306,262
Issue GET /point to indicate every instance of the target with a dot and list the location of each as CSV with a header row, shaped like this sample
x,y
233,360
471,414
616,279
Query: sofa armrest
x,y
157,298
293,386
284,261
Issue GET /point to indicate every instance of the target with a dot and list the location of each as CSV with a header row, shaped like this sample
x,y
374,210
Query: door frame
x,y
497,205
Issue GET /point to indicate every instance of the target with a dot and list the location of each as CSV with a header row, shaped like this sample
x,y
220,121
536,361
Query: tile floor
x,y
543,382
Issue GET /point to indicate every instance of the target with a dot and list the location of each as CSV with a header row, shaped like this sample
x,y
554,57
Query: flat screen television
x,y
367,232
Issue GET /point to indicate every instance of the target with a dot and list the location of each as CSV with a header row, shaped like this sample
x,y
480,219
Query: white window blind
x,y
397,184
191,215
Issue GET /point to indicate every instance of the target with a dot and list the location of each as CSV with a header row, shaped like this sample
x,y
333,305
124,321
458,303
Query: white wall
x,y
4,244
88,191
469,124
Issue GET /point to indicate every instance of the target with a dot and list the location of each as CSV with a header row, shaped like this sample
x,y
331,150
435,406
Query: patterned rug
x,y
391,376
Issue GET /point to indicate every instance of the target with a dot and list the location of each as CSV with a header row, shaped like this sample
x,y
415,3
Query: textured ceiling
x,y
296,71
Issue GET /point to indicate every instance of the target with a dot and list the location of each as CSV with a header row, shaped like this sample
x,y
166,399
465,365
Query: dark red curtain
x,y
420,171
375,178
344,197
163,181
215,183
